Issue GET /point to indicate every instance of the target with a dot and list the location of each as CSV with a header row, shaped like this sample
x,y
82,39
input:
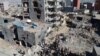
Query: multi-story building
x,y
76,4
17,32
97,5
42,9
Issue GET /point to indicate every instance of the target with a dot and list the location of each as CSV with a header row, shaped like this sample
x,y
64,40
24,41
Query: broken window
x,y
79,18
27,17
37,10
51,2
20,17
5,21
52,21
61,3
16,34
35,3
17,42
25,4
1,35
38,16
51,9
52,15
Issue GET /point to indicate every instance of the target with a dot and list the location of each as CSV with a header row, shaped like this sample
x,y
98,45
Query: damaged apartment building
x,y
24,33
17,32
44,10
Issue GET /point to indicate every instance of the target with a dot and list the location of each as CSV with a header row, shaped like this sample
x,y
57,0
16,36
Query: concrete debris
x,y
79,38
72,36
31,30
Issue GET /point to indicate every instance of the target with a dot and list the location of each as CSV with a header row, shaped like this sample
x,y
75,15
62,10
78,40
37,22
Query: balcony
x,y
49,6
51,9
49,19
59,5
52,15
51,3
48,12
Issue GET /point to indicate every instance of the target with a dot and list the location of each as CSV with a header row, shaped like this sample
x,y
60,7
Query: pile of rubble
x,y
75,37
71,35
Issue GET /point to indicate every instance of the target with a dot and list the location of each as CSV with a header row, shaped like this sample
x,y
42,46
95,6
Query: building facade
x,y
42,9
15,32
97,5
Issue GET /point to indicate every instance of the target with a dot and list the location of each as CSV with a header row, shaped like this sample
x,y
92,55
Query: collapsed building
x,y
5,29
24,33
65,37
19,32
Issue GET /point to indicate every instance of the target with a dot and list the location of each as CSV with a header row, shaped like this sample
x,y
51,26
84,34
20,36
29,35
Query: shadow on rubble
x,y
71,24
88,53
72,54
1,35
96,25
57,51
